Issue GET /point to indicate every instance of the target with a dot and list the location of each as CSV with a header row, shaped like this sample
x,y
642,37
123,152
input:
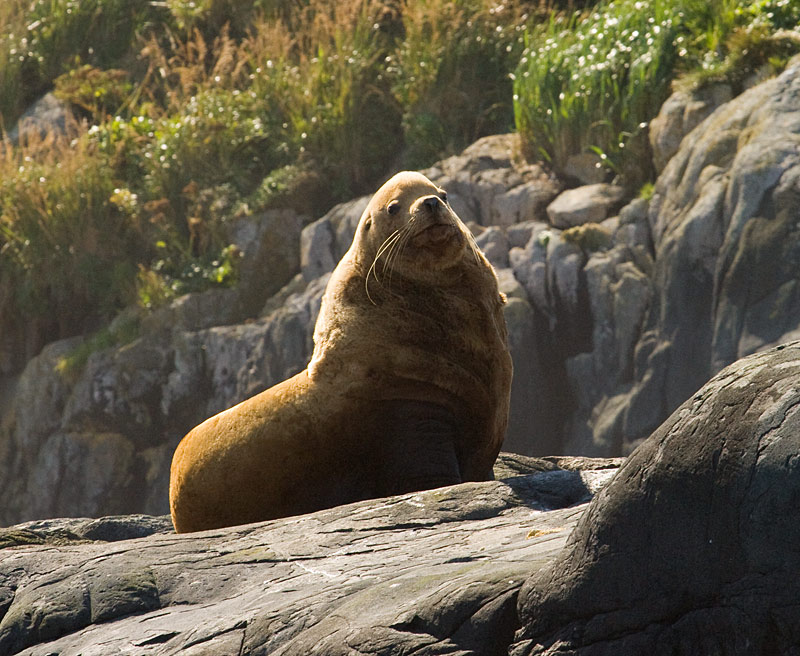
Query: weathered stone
x,y
528,400
591,203
270,256
487,184
530,268
81,474
519,234
679,115
688,550
494,244
47,115
324,242
725,247
526,201
316,249
437,569
586,168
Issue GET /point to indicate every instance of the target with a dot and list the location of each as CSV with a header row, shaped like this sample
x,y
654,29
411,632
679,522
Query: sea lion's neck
x,y
405,326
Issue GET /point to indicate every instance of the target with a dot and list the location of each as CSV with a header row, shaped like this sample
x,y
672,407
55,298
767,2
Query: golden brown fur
x,y
410,335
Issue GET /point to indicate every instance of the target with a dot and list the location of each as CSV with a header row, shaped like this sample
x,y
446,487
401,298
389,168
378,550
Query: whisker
x,y
397,248
387,244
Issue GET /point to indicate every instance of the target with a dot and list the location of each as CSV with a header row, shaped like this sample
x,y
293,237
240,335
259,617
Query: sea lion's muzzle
x,y
435,224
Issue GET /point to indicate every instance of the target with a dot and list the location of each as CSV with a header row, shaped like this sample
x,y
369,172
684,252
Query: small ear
x,y
368,223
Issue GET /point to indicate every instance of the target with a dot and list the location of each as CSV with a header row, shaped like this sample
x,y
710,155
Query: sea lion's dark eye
x,y
443,196
393,207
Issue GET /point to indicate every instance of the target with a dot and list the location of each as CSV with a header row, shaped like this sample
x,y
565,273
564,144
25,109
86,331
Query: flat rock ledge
x,y
435,572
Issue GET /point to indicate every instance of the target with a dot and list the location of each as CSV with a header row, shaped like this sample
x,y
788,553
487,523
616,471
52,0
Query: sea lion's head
x,y
409,229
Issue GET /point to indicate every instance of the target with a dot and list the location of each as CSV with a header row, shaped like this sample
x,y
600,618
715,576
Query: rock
x,y
590,237
591,203
316,249
689,549
270,246
494,244
519,234
32,415
487,184
679,115
324,242
437,570
633,230
725,248
586,168
529,403
48,114
213,307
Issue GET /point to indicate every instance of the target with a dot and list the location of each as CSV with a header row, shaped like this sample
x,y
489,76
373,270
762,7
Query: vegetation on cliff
x,y
191,113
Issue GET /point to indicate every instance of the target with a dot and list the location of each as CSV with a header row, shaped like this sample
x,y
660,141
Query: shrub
x,y
450,74
67,251
44,39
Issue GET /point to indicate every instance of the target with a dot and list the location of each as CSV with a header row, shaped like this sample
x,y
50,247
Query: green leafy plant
x,y
592,82
66,250
96,92
450,74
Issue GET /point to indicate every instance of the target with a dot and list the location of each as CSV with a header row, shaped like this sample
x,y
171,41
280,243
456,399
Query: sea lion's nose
x,y
431,203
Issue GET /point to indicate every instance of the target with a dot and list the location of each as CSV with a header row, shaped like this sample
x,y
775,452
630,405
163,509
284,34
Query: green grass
x,y
592,81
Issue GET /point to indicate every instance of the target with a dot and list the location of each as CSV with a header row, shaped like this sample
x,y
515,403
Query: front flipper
x,y
418,445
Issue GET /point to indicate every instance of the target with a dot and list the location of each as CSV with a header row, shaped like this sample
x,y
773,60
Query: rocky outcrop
x,y
680,114
724,230
437,571
691,548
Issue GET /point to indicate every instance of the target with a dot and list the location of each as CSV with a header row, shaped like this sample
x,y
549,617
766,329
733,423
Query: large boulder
x,y
709,275
692,548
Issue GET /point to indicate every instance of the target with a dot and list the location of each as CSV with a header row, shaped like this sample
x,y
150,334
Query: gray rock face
x,y
588,204
681,113
689,549
47,114
436,571
723,221
103,443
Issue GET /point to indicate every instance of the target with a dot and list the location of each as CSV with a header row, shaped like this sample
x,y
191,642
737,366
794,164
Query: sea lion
x,y
407,388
